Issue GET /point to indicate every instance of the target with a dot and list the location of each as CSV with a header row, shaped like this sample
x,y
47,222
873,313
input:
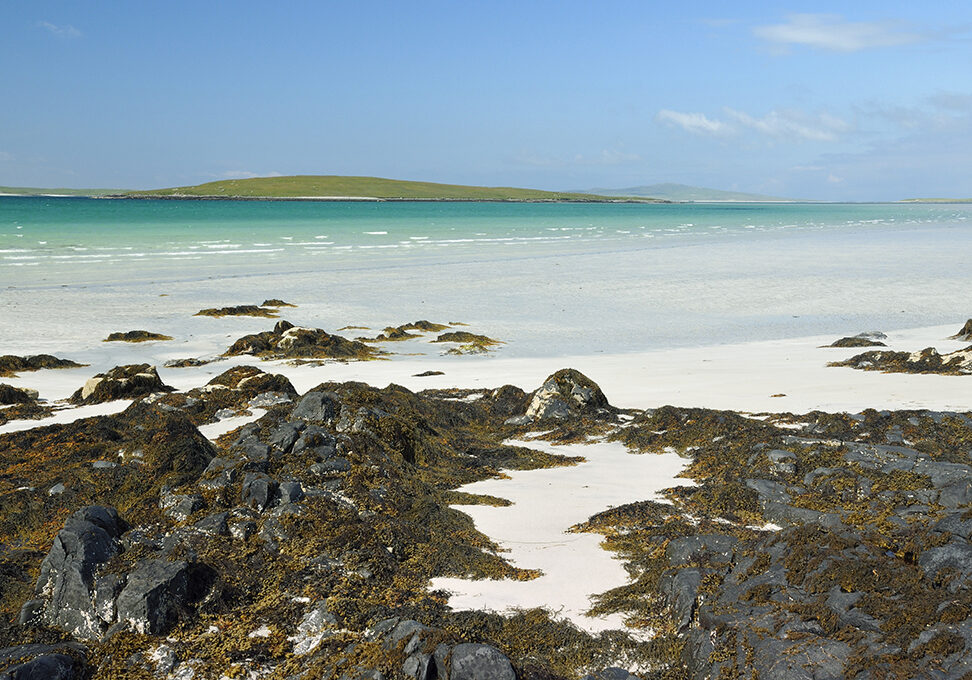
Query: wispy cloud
x,y
784,125
790,124
63,31
833,32
6,156
696,123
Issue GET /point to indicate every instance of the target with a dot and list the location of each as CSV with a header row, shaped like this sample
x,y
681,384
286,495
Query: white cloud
x,y
65,31
834,179
696,123
785,124
4,156
823,127
833,32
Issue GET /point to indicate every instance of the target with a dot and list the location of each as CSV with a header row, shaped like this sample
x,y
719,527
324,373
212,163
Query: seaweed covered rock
x,y
863,340
242,310
965,334
122,382
565,394
136,336
287,341
397,333
866,521
467,343
232,392
11,364
276,302
65,590
16,395
928,360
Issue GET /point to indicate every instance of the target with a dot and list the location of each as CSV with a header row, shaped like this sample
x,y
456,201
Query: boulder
x,y
66,585
565,394
472,661
155,592
121,382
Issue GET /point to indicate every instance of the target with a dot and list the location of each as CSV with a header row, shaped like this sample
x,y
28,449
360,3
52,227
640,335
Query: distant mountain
x,y
683,192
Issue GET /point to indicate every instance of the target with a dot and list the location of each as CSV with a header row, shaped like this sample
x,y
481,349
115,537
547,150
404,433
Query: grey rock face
x,y
153,596
65,587
318,407
479,662
258,491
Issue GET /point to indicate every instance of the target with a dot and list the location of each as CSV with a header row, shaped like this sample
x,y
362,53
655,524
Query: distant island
x,y
683,192
937,200
338,187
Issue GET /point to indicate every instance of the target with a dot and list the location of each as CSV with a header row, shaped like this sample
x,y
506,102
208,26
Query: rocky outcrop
x,y
121,382
287,341
11,364
862,340
233,392
566,394
16,395
467,343
263,310
136,336
965,334
928,360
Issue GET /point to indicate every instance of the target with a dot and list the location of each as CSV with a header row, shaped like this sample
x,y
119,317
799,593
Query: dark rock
x,y
258,491
856,341
613,673
122,382
16,395
43,662
216,524
290,492
333,466
11,364
67,578
285,435
428,374
180,506
479,662
316,407
242,531
156,592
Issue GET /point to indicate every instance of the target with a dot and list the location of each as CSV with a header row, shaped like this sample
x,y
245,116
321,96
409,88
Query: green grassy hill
x,y
301,186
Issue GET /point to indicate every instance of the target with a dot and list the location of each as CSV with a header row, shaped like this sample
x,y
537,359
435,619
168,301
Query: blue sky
x,y
838,101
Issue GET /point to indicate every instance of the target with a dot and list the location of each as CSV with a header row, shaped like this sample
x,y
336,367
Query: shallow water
x,y
548,278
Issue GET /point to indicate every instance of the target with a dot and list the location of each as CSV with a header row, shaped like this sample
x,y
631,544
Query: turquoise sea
x,y
73,240
549,278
